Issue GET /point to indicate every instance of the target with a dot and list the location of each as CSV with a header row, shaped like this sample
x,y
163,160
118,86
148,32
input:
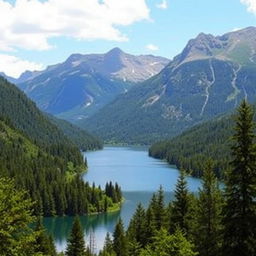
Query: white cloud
x,y
251,5
162,5
13,66
152,47
30,23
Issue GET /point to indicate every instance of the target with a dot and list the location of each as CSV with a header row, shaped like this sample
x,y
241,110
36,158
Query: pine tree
x,y
16,236
150,225
180,206
169,245
137,227
208,215
76,243
108,247
160,212
44,243
120,245
240,192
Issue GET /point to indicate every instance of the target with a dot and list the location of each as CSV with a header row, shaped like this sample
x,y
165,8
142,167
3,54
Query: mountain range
x,y
142,99
209,77
78,87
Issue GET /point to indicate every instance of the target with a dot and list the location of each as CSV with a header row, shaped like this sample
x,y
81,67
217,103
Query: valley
x,y
182,180
128,166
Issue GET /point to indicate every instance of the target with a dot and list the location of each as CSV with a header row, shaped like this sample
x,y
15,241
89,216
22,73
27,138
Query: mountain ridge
x,y
83,83
205,80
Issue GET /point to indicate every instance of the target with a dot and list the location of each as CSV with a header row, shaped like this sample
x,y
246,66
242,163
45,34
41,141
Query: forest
x,y
39,158
193,147
213,222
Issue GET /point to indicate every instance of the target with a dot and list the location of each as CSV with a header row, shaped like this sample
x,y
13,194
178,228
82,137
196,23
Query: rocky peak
x,y
200,47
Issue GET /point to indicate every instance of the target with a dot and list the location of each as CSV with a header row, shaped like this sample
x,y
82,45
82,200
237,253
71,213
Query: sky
x,y
38,33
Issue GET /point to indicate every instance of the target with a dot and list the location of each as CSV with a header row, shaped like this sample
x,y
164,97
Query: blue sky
x,y
34,34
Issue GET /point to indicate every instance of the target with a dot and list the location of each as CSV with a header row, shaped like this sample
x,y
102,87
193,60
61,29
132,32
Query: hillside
x,y
78,87
54,184
42,160
210,77
25,116
82,139
190,150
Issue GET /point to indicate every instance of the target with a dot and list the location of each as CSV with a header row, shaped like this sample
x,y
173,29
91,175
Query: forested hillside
x,y
80,137
190,149
42,160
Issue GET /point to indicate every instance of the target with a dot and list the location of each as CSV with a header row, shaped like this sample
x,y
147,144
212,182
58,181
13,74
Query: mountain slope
x,y
25,116
81,138
81,85
42,160
210,77
193,147
55,185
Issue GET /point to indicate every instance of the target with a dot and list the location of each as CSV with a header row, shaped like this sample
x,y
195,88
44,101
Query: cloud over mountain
x,y
30,24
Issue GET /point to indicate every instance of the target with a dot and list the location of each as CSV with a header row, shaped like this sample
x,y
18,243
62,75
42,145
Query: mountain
x,y
42,130
81,85
209,77
22,78
9,78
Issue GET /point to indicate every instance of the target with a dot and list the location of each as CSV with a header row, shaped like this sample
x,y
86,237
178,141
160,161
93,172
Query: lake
x,y
139,176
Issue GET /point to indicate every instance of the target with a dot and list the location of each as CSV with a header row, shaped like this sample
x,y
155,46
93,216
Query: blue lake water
x,y
139,176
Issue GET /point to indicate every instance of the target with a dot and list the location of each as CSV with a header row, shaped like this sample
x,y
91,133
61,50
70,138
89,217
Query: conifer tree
x,y
208,214
76,243
120,245
137,228
180,206
16,237
169,245
43,242
150,226
108,247
160,211
240,191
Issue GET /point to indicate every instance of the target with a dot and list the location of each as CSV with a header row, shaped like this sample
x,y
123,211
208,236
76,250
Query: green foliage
x,y
108,247
43,242
120,243
209,214
169,245
240,191
192,148
45,178
136,232
158,209
23,114
76,243
180,207
17,238
80,137
43,161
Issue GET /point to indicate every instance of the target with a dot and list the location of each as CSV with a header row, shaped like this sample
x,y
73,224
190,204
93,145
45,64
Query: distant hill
x,y
78,87
24,115
190,150
208,78
80,137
